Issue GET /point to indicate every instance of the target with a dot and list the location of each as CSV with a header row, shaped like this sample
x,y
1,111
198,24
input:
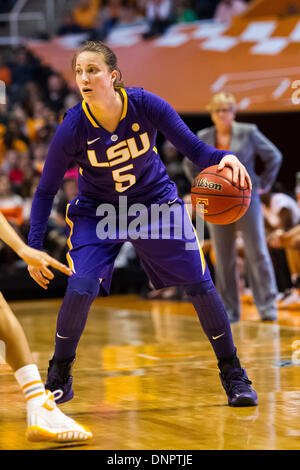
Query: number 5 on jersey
x,y
128,178
120,153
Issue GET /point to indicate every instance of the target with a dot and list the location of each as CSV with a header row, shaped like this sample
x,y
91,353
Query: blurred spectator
x,y
2,146
85,13
108,18
205,9
130,16
8,161
22,70
173,162
29,191
5,73
56,92
129,276
30,95
35,122
159,17
51,121
68,192
4,114
14,138
16,165
57,230
282,213
71,100
170,157
29,124
28,177
39,153
11,205
291,238
16,174
229,8
3,124
185,11
280,210
69,25
41,138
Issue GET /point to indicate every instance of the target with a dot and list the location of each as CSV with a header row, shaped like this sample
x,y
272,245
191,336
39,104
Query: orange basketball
x,y
217,199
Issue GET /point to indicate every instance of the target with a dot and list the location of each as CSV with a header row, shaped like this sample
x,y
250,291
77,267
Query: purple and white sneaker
x,y
59,381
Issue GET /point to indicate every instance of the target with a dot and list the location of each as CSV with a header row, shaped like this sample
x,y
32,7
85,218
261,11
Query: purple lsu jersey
x,y
123,162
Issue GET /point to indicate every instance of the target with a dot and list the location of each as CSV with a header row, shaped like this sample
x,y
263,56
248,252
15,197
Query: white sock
x,y
31,383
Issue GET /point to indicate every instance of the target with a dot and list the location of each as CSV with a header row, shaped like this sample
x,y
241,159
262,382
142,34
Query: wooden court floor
x,y
146,378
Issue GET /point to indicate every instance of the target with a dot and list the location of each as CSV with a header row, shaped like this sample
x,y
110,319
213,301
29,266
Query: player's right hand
x,y
239,173
38,262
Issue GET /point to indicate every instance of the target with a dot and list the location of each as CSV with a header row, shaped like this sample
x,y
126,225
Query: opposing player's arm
x,y
9,236
29,255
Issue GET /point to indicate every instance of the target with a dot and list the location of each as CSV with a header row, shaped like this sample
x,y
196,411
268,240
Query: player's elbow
x,y
45,192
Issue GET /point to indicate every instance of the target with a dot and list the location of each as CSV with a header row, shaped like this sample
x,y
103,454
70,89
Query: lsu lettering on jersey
x,y
124,162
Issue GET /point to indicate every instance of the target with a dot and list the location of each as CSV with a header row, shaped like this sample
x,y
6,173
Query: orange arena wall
x,y
256,58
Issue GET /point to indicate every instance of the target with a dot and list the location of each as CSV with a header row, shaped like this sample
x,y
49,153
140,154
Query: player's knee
x,y
84,286
200,288
6,317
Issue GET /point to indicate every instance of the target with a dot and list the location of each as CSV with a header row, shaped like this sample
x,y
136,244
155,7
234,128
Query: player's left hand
x,y
240,175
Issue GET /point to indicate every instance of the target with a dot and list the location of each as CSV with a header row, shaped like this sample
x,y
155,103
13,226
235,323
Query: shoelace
x,y
57,394
56,385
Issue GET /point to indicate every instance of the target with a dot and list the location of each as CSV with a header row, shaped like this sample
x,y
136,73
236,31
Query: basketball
x,y
216,199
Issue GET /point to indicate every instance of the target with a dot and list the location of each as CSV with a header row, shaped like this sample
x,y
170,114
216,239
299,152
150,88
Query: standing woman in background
x,y
245,141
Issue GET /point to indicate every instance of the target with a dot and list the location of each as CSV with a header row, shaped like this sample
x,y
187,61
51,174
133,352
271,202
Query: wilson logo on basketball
x,y
203,183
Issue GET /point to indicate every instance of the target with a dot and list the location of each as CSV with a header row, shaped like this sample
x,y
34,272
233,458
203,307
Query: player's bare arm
x,y
38,260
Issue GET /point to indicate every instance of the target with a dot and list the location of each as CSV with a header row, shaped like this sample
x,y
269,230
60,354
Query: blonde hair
x,y
222,98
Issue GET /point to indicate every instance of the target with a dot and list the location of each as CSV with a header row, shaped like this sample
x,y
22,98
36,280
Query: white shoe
x,y
287,302
282,295
48,423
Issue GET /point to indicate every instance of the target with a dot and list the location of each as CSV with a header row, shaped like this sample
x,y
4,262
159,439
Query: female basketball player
x,y
111,134
45,421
